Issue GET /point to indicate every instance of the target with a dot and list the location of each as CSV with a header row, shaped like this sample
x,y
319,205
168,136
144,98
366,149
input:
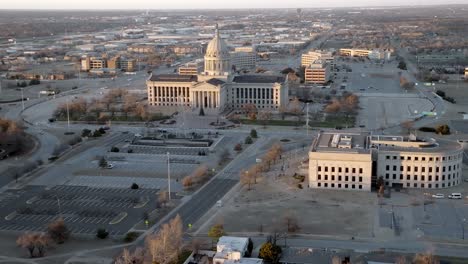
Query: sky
x,y
205,4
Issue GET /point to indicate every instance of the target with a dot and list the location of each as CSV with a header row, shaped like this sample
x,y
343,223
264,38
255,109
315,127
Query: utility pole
x,y
22,98
169,175
307,119
68,117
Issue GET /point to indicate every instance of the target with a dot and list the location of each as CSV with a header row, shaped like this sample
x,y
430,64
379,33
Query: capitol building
x,y
218,89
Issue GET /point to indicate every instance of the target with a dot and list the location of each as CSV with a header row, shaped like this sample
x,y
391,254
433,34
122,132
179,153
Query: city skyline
x,y
211,4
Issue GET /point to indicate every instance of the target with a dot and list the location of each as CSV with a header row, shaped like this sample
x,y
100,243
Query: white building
x,y
231,250
217,88
354,161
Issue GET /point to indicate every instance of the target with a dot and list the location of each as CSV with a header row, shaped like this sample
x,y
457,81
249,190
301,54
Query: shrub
x,y
131,236
115,149
253,133
86,133
450,99
443,130
440,93
130,151
134,186
299,186
238,147
427,129
97,133
248,140
102,233
102,130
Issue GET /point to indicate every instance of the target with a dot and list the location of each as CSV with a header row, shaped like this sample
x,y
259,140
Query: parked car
x,y
438,196
455,196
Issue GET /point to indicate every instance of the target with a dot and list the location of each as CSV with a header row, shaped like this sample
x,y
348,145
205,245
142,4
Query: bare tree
x,y
264,116
426,258
26,241
164,246
163,198
128,257
58,231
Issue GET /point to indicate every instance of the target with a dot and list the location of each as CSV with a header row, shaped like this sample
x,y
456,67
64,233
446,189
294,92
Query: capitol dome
x,y
217,47
217,57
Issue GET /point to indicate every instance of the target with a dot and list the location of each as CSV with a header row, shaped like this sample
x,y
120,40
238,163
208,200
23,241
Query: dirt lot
x,y
265,207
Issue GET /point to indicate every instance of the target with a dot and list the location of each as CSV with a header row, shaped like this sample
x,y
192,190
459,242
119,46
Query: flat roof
x,y
345,142
228,243
173,78
258,79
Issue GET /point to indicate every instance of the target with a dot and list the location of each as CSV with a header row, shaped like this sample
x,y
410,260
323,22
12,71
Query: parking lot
x,y
84,209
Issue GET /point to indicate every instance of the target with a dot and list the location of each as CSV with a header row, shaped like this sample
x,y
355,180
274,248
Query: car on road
x,y
109,166
438,196
455,196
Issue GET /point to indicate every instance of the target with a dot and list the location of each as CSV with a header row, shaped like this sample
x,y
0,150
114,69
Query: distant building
x,y
313,55
318,72
375,54
244,49
142,49
90,63
117,62
191,68
133,33
354,161
244,60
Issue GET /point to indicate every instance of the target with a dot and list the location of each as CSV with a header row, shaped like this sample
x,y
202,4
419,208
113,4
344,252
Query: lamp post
x,y
58,203
169,175
68,117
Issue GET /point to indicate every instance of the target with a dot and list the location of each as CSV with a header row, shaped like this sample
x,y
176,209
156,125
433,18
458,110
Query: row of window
x,y
340,169
254,93
429,185
423,177
332,178
339,186
417,158
423,169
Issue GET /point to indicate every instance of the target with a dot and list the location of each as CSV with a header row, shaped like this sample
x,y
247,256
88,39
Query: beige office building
x,y
217,89
354,161
318,72
314,55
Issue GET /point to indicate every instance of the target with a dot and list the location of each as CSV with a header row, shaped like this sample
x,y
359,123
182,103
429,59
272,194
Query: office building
x,y
318,72
244,60
191,68
313,55
354,161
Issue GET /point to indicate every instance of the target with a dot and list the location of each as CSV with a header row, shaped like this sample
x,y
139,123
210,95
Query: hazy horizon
x,y
210,4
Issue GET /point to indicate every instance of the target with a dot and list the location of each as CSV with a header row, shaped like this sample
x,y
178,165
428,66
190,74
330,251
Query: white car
x,y
455,196
438,196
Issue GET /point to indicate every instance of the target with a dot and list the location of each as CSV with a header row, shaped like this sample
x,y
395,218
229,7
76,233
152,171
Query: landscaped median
x,y
330,121
121,216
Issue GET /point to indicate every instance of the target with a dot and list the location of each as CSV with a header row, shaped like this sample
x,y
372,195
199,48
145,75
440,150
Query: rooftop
x,y
173,78
229,244
363,142
215,81
341,142
258,79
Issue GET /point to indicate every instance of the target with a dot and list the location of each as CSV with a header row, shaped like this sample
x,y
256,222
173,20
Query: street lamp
x,y
463,228
58,203
307,119
169,175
